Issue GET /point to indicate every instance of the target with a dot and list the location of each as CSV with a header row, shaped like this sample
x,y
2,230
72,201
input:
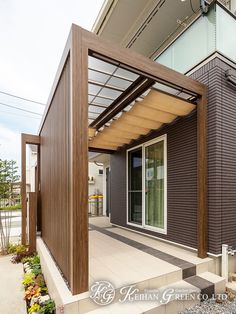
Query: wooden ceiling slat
x,y
109,147
125,126
143,122
149,114
120,133
167,103
152,114
107,143
112,138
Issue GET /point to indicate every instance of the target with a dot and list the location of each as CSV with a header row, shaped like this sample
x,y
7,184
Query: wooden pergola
x,y
77,119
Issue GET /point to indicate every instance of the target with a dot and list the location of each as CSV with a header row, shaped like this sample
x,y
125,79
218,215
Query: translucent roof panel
x,y
106,82
95,109
126,74
102,100
172,91
106,92
98,77
93,89
120,83
105,67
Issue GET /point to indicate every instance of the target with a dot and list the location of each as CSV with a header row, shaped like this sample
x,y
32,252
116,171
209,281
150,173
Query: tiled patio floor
x,y
124,257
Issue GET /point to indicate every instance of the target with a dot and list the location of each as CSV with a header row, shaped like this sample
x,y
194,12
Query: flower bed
x,y
36,293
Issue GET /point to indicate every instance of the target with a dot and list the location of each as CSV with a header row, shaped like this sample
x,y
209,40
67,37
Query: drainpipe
x,y
226,250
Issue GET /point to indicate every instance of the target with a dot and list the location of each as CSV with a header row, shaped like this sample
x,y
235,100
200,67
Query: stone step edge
x,y
148,308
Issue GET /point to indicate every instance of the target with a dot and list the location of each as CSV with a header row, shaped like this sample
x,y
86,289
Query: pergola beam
x,y
137,61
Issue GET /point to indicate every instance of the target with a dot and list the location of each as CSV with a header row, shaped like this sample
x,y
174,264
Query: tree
x,y
8,178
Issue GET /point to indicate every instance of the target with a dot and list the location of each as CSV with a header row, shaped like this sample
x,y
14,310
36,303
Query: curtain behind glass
x,y
154,185
135,186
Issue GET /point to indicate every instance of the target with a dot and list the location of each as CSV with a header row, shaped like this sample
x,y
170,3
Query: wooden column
x,y
202,214
23,190
34,140
79,168
32,220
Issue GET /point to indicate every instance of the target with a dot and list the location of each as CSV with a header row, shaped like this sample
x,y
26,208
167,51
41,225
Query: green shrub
x,y
35,308
32,260
14,207
17,258
28,279
16,248
39,280
48,307
36,269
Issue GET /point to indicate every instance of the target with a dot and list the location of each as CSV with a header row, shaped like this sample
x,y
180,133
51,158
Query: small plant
x,y
28,279
32,291
17,258
35,308
48,307
14,207
39,280
32,260
16,248
36,270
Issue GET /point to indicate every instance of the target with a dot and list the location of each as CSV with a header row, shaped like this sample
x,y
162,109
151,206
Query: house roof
x,y
145,26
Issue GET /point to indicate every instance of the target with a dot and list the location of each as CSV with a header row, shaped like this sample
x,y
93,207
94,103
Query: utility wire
x,y
10,106
19,115
22,98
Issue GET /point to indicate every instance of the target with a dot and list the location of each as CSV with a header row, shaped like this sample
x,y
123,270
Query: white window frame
x,y
143,225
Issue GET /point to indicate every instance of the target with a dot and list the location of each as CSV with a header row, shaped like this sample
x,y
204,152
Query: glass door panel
x,y
154,185
135,186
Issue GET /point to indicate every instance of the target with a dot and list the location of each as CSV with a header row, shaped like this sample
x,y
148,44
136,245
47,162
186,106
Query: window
x,y
147,185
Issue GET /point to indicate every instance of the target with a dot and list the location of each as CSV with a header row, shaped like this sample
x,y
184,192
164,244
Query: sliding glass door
x,y
147,185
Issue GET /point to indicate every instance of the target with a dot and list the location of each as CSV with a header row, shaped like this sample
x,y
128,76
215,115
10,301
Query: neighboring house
x,y
104,160
31,168
170,137
95,179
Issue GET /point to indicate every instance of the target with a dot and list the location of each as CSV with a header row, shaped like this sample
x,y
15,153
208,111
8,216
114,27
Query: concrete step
x,y
219,282
231,287
187,294
206,282
166,303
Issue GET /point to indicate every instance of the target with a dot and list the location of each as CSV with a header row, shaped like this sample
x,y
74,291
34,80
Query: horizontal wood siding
x,y
55,174
181,182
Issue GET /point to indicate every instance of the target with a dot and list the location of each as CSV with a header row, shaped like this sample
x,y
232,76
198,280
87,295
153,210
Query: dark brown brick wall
x,y
181,182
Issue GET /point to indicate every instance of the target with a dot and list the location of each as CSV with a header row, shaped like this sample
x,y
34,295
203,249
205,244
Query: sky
x,y
32,38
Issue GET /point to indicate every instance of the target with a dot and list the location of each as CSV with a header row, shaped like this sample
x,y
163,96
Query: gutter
x,y
102,18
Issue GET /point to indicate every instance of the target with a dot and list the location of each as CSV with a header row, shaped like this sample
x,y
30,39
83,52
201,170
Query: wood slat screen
x,y
55,174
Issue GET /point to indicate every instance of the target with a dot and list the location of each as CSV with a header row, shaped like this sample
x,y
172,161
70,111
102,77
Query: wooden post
x,y
23,190
79,169
32,220
25,139
202,213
